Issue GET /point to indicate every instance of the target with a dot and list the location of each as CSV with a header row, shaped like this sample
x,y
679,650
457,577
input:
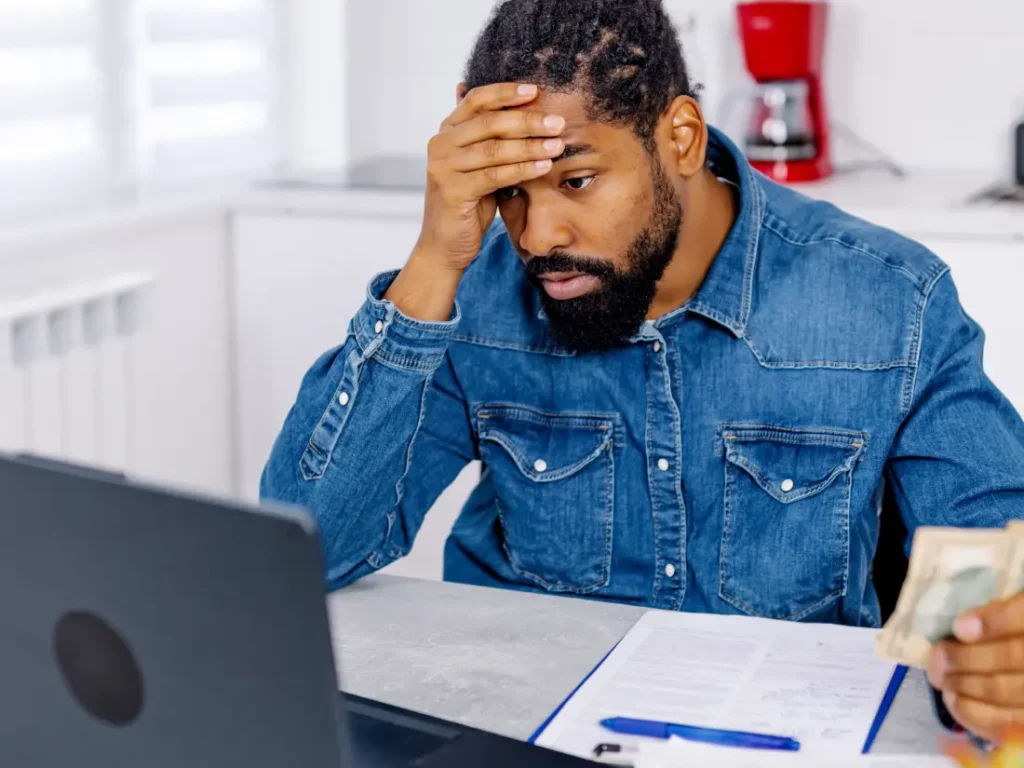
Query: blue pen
x,y
656,730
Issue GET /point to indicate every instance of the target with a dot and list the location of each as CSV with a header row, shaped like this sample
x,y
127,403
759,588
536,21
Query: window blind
x,y
50,96
205,87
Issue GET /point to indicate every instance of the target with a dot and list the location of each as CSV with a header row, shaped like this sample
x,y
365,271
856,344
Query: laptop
x,y
145,627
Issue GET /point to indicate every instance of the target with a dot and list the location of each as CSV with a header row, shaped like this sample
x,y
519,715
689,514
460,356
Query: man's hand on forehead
x,y
488,142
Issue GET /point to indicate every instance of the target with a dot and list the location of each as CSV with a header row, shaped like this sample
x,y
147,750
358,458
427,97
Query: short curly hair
x,y
624,55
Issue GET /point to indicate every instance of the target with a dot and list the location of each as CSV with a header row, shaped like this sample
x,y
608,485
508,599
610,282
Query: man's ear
x,y
685,128
460,93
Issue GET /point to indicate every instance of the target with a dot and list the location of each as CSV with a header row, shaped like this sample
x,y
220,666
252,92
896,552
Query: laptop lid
x,y
142,626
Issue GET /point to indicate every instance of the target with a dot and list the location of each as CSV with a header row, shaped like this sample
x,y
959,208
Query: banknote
x,y
951,571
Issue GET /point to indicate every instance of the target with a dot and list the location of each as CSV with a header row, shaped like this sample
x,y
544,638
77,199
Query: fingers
x,y
510,124
1002,689
1004,618
989,721
489,180
506,152
490,98
950,657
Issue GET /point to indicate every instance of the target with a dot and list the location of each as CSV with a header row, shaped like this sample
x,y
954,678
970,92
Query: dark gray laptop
x,y
146,628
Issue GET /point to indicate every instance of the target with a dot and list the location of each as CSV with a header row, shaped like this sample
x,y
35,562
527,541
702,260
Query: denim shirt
x,y
730,459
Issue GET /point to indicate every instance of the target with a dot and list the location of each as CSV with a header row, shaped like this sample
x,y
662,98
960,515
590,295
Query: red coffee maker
x,y
783,42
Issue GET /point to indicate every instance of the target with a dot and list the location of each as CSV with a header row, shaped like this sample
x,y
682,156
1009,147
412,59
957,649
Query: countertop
x,y
503,661
924,204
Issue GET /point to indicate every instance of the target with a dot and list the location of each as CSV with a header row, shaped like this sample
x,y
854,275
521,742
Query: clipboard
x,y
888,686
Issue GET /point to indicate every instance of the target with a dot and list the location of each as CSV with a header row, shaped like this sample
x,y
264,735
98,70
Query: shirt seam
x,y
880,257
910,382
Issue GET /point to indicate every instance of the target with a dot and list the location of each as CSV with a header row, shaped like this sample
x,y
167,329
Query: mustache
x,y
564,262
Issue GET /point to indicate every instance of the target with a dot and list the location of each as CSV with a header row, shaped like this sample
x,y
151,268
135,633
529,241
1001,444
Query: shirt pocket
x,y
554,476
785,542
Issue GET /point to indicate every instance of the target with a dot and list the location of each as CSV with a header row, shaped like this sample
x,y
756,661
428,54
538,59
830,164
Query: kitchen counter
x,y
925,203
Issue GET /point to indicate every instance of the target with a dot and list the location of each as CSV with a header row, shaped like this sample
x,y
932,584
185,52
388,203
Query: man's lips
x,y
563,286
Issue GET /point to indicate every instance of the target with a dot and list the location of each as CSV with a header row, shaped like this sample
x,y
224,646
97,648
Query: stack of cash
x,y
951,571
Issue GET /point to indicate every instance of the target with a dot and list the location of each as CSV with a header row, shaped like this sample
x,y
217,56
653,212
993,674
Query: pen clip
x,y
614,754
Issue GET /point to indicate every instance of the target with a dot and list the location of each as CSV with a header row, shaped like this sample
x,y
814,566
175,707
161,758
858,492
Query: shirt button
x,y
786,485
663,465
378,327
670,570
540,465
656,347
343,399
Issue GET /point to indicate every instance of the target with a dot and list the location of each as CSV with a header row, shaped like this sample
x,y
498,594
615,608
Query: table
x,y
502,661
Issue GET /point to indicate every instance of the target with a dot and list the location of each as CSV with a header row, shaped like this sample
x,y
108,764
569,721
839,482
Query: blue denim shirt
x,y
731,459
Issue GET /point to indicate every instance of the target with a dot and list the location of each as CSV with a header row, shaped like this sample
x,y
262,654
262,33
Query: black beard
x,y
610,316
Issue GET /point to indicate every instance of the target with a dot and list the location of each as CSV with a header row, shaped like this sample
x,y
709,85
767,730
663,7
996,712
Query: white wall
x,y
314,93
934,83
404,60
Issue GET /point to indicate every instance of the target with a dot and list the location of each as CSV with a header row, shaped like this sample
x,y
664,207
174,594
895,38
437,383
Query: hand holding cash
x,y
960,616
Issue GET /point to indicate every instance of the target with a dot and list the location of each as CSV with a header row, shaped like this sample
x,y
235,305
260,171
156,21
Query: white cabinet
x,y
989,275
298,280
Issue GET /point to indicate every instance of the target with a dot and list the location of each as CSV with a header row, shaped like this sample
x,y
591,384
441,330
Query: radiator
x,y
67,382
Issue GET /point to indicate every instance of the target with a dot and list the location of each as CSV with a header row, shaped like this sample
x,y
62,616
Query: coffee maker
x,y
787,136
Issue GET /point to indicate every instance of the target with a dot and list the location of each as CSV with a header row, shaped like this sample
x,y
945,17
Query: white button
x,y
657,347
540,465
343,398
786,485
663,465
670,570
379,326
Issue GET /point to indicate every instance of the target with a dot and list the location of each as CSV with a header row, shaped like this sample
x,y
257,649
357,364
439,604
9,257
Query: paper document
x,y
679,754
818,683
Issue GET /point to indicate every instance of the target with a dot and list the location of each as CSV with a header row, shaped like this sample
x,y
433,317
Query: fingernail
x,y
949,699
527,90
554,122
937,666
552,145
967,629
543,165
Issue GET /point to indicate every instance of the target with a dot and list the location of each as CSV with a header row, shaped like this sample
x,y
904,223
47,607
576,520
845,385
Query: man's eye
x,y
580,183
507,193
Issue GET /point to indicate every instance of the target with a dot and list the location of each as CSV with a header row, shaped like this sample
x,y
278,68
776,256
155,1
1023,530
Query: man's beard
x,y
611,315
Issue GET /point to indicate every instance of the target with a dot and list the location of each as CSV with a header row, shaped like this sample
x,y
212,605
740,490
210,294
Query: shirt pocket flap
x,y
546,447
790,465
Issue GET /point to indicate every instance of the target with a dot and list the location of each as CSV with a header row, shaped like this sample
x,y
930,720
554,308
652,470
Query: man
x,y
688,386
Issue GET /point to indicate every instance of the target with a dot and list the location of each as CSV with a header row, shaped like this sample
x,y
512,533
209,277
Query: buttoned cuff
x,y
385,334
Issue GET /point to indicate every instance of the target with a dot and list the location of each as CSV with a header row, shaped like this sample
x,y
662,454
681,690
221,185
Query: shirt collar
x,y
727,291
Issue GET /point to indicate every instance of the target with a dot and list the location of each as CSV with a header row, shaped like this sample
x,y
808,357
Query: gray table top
x,y
503,661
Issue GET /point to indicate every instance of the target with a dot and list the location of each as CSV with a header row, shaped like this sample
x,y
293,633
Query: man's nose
x,y
545,233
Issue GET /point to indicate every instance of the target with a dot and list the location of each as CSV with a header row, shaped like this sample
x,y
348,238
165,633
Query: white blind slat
x,y
49,97
171,27
172,91
46,28
61,99
206,72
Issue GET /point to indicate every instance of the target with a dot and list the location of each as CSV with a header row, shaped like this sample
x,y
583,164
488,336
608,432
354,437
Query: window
x,y
50,87
206,85
98,94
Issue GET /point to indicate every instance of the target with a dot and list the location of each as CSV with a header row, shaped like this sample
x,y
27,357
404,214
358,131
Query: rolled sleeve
x,y
388,336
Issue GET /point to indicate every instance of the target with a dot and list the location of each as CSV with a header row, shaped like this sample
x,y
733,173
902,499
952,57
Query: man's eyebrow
x,y
571,150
